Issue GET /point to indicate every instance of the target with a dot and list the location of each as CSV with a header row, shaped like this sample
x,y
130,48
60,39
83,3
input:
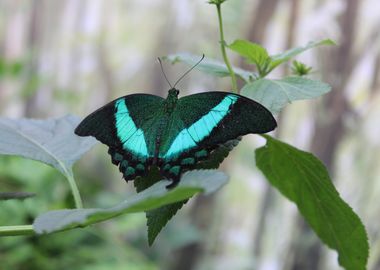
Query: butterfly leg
x,y
172,173
173,184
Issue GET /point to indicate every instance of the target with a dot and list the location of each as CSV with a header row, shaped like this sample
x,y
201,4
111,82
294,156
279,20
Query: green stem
x,y
223,49
74,189
16,230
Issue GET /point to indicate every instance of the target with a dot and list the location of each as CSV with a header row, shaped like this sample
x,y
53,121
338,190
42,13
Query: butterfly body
x,y
173,134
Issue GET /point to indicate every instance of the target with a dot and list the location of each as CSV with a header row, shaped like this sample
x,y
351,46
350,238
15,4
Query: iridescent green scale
x,y
174,134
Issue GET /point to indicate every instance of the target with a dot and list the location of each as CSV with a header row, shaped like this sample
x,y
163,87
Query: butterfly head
x,y
173,93
171,100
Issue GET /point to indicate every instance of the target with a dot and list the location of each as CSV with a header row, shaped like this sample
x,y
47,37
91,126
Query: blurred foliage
x,y
10,68
99,247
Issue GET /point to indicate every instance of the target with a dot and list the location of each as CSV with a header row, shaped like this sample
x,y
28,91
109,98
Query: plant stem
x,y
223,49
74,189
16,230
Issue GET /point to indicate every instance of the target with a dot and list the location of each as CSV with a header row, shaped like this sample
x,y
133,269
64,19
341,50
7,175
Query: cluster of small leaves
x,y
300,69
274,94
265,63
216,2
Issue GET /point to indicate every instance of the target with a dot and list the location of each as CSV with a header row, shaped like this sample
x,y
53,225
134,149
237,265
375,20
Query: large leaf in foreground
x,y
275,94
303,179
51,141
210,66
158,195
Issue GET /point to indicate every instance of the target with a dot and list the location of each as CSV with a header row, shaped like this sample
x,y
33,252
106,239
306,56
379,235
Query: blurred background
x,y
72,56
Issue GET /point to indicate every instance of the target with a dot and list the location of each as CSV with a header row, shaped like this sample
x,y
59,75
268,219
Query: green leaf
x,y
50,141
287,55
158,218
210,66
304,180
15,195
253,53
275,94
300,69
158,195
142,183
216,2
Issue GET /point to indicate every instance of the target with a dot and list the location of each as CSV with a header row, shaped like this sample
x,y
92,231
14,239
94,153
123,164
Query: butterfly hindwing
x,y
245,116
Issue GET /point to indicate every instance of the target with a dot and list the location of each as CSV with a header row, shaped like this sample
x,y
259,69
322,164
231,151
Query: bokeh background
x,y
72,56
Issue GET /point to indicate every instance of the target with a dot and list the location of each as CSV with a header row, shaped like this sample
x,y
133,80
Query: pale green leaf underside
x,y
210,66
51,141
206,181
275,94
287,55
303,179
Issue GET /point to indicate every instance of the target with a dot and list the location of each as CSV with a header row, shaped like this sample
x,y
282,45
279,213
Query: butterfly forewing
x,y
215,117
196,117
127,125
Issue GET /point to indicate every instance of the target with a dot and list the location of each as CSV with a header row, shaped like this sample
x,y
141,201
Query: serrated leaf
x,y
210,66
142,183
275,94
51,141
158,218
304,180
252,52
280,58
15,195
153,197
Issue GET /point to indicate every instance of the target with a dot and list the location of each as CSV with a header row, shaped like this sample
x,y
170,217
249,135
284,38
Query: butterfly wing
x,y
127,125
205,121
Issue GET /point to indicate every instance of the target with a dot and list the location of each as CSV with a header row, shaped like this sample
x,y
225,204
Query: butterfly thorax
x,y
171,100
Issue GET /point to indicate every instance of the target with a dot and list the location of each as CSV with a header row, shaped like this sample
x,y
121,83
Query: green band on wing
x,y
189,137
130,136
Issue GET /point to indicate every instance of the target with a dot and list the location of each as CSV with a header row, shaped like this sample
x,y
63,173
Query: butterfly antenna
x,y
163,72
187,72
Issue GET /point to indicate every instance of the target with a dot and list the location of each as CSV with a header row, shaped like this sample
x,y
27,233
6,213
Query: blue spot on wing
x,y
189,137
130,136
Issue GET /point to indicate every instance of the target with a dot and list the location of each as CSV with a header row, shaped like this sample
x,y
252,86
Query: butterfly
x,y
174,134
